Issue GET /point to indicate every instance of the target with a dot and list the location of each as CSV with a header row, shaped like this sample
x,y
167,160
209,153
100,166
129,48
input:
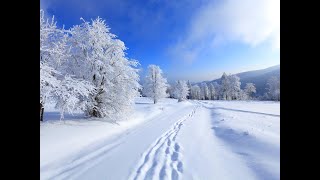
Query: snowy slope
x,y
257,77
169,140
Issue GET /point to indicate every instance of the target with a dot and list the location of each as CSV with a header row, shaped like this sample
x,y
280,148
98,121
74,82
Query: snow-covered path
x,y
117,157
162,160
194,140
205,155
125,157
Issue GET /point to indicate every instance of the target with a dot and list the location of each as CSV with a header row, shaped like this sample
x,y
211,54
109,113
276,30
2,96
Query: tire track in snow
x,y
163,159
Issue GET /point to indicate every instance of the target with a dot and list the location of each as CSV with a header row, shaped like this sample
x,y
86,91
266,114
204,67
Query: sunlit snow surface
x,y
168,140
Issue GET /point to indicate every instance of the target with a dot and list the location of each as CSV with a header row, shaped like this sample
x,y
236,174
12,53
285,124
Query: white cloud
x,y
247,21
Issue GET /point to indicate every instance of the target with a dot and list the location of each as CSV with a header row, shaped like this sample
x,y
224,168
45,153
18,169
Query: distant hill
x,y
257,77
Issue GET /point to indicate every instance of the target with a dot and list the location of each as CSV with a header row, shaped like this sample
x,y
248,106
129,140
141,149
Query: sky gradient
x,y
192,40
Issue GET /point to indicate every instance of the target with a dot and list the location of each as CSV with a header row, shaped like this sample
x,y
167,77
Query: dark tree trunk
x,y
154,101
41,111
95,113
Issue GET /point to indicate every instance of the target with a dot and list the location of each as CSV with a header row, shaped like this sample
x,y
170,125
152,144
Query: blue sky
x,y
193,40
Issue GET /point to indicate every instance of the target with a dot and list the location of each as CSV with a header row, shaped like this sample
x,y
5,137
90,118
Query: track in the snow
x,y
163,160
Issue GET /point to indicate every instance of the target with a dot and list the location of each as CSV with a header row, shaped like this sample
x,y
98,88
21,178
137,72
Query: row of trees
x,y
229,89
85,68
156,86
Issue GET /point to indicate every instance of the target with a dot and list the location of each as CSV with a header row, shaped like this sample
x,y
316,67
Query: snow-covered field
x,y
168,140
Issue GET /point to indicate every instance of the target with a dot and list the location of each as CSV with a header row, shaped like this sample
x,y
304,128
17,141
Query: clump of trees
x,y
227,89
156,86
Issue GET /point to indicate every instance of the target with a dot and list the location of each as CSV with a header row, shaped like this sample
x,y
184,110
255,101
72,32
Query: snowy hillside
x,y
257,77
168,140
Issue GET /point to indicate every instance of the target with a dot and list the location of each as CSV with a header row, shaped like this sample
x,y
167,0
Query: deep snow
x,y
169,140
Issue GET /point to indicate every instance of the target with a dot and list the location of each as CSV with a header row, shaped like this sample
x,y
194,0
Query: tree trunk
x,y
94,113
154,101
41,111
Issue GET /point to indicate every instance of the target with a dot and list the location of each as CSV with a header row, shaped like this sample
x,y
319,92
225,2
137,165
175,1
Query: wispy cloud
x,y
219,22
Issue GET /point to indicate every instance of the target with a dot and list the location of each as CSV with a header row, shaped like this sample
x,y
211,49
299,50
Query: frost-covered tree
x,y
212,92
48,84
230,87
250,89
243,95
170,91
99,58
72,94
234,86
86,68
54,54
155,84
204,91
273,88
181,90
225,86
49,56
217,88
195,92
189,86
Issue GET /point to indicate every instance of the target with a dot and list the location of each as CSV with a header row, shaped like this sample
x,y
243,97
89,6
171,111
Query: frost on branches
x,y
72,94
230,87
212,92
249,90
181,90
273,88
155,85
225,86
217,90
204,94
86,68
99,57
189,86
50,55
234,90
195,92
55,83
